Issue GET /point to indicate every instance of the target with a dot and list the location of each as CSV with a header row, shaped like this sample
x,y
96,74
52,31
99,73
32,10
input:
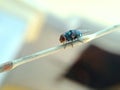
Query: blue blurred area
x,y
12,30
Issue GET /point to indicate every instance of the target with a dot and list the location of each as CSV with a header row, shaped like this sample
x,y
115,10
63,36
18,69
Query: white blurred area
x,y
104,11
44,21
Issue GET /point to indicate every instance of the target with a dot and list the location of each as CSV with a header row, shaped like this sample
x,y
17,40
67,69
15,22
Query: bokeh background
x,y
28,26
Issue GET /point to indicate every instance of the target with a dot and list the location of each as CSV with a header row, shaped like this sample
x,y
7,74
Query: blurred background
x,y
28,26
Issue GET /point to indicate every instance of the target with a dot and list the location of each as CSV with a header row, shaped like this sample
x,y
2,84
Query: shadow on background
x,y
96,68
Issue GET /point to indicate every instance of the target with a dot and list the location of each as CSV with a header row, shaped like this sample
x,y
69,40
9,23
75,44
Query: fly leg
x,y
78,38
65,44
71,43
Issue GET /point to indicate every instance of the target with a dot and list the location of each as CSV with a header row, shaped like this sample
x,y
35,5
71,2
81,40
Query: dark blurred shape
x,y
96,68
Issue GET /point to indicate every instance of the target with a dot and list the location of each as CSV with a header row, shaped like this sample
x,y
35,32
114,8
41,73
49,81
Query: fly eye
x,y
62,38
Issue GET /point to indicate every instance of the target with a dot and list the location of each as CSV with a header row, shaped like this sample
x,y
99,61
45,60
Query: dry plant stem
x,y
14,63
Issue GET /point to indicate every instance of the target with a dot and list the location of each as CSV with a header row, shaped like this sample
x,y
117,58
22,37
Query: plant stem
x,y
84,39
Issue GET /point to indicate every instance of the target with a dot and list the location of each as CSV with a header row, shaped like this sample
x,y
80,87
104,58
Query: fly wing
x,y
73,23
84,31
